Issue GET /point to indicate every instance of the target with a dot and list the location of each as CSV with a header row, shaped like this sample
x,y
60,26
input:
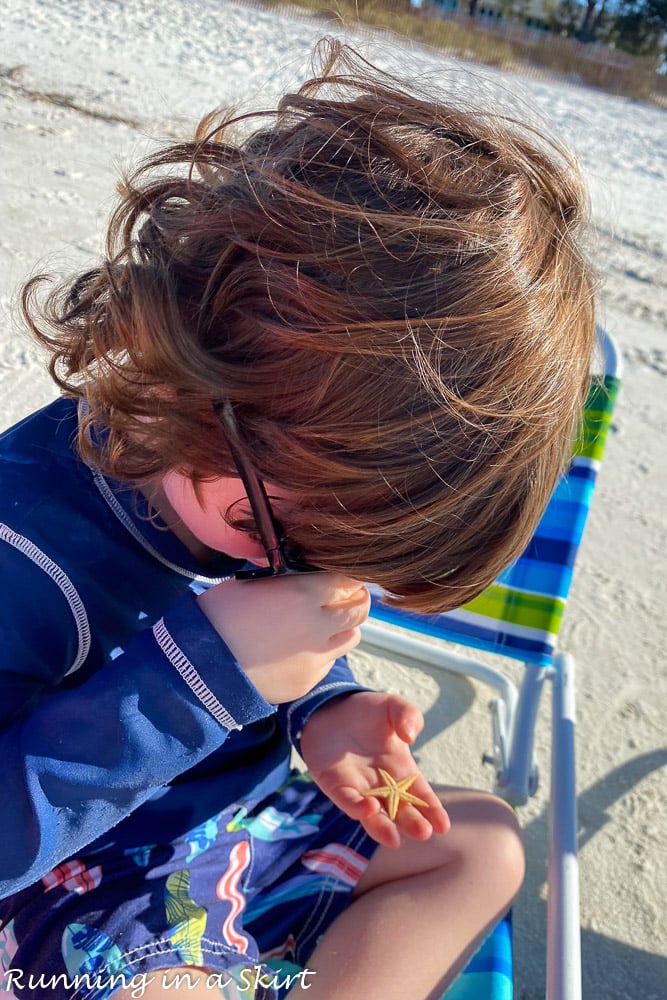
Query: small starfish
x,y
396,792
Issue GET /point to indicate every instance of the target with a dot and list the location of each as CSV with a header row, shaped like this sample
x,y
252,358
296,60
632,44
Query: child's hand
x,y
287,631
345,742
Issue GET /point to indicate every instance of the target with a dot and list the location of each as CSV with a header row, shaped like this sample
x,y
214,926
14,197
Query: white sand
x,y
160,65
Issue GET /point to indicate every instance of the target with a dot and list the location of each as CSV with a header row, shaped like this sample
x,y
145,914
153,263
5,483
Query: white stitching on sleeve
x,y
61,579
178,659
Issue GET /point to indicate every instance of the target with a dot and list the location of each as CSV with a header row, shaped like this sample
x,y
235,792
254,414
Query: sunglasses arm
x,y
267,527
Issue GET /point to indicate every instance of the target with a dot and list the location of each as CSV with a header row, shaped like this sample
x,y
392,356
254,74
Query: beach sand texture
x,y
87,85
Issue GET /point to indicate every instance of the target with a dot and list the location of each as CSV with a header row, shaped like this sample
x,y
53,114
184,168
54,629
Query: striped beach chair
x,y
519,616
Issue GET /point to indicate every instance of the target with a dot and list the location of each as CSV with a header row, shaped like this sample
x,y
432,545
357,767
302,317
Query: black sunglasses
x,y
269,529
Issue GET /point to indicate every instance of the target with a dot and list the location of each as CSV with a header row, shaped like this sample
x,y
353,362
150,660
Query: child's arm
x,y
79,759
345,743
286,632
294,715
283,631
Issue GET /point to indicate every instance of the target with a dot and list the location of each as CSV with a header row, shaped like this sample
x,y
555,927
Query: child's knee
x,y
508,842
487,837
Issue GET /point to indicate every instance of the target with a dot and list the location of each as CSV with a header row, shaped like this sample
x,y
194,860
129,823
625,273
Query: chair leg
x,y
563,929
520,779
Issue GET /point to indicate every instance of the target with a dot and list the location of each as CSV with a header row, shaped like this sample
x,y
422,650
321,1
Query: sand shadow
x,y
611,969
456,692
456,696
594,801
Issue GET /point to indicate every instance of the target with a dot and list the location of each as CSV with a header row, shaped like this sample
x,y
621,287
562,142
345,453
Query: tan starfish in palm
x,y
395,792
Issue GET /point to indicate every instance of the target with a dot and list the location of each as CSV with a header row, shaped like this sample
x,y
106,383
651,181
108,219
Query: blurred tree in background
x,y
640,27
635,26
592,27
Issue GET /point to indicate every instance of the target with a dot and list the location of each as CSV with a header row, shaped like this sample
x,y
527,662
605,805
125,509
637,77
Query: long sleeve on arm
x,y
339,681
85,756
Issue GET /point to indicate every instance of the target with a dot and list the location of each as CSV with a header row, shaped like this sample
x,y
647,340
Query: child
x,y
374,303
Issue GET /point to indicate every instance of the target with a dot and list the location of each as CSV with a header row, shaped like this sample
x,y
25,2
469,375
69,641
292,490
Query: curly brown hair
x,y
390,290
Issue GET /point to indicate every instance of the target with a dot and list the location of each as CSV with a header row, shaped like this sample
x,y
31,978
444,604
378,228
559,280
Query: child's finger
x,y
355,805
340,589
435,813
349,615
406,719
383,830
413,825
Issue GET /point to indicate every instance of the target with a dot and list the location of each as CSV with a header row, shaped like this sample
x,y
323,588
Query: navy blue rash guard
x,y
120,705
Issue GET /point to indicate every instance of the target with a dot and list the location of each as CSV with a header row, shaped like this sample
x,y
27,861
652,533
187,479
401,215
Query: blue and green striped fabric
x,y
520,614
488,976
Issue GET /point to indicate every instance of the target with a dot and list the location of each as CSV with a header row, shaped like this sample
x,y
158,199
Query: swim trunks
x,y
242,898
